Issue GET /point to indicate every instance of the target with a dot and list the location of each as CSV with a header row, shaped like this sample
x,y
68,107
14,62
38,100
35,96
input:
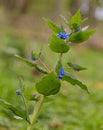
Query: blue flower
x,y
32,58
62,72
63,35
18,92
34,95
60,76
75,65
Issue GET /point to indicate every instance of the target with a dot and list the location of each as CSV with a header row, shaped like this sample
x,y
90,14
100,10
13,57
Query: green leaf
x,y
76,66
75,21
12,108
81,36
32,64
53,26
58,45
35,55
67,77
48,85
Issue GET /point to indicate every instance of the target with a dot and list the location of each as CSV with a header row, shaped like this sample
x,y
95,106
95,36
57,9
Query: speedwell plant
x,y
50,83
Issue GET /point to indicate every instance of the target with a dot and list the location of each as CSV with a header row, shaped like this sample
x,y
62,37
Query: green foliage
x,y
32,64
75,21
85,110
16,111
58,45
48,85
34,55
67,77
76,66
53,26
81,36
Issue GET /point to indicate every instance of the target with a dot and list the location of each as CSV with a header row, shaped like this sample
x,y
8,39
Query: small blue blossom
x,y
62,72
18,92
32,58
60,76
34,95
74,65
63,35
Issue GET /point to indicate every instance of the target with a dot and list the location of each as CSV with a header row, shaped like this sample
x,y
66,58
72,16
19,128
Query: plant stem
x,y
59,62
22,95
36,112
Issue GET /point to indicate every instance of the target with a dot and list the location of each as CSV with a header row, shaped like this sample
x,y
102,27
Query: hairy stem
x,y
36,112
22,95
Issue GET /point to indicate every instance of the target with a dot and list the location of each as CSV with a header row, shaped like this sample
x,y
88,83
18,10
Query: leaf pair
x,y
31,64
12,108
76,66
76,36
50,84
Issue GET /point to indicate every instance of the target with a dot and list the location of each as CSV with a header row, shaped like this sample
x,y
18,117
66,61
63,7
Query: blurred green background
x,y
22,30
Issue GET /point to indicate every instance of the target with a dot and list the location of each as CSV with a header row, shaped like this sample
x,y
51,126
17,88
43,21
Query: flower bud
x,y
63,35
62,72
34,95
18,92
60,76
32,58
